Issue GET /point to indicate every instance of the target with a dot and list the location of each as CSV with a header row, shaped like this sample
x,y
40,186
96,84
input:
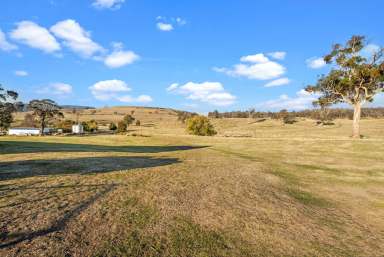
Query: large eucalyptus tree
x,y
44,110
355,77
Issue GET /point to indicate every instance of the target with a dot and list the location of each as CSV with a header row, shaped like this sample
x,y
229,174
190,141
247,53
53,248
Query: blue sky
x,y
195,55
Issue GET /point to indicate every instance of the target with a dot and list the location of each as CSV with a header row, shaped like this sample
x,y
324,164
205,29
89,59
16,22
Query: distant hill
x,y
77,107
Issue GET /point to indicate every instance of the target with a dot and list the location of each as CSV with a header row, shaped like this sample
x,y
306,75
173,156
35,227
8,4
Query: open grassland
x,y
281,190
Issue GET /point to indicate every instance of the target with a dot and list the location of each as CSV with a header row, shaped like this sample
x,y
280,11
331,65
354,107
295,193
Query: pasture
x,y
255,189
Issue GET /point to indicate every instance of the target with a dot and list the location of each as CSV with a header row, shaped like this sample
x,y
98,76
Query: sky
x,y
192,55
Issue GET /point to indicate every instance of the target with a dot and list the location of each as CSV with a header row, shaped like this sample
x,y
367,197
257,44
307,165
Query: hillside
x,y
161,120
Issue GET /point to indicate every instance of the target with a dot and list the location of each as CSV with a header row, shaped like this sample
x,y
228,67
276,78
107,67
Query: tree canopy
x,y
44,110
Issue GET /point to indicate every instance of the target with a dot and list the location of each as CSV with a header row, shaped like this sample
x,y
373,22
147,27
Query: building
x,y
23,131
77,129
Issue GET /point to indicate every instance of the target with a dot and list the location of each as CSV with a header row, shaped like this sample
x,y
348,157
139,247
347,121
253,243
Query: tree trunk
x,y
356,120
42,126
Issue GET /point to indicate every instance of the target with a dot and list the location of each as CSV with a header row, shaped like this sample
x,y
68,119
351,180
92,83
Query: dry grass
x,y
297,190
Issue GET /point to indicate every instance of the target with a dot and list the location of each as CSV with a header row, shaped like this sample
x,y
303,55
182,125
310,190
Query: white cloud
x,y
180,21
278,82
208,92
108,4
114,90
139,99
108,89
261,68
172,87
33,35
57,88
4,44
256,58
315,62
76,38
21,73
278,55
169,24
164,26
119,58
302,100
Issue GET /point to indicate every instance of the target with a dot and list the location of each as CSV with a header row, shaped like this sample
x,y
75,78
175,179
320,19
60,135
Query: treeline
x,y
316,114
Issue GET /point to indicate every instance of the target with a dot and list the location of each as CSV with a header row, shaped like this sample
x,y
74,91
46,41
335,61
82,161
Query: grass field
x,y
256,189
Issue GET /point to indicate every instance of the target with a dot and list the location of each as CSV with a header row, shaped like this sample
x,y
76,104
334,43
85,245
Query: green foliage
x,y
112,126
121,126
65,125
90,126
200,126
44,110
6,107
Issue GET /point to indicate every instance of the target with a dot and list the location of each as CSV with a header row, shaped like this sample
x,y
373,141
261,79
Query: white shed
x,y
23,131
77,129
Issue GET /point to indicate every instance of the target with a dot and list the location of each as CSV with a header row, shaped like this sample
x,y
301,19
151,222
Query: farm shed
x,y
23,131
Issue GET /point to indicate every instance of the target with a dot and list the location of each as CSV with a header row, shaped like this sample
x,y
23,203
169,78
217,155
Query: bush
x,y
289,119
200,126
90,126
138,123
121,126
112,126
66,125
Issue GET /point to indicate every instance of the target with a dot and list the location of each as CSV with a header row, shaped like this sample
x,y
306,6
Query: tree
x,y
90,126
200,126
66,125
112,126
44,110
354,79
121,126
7,107
128,119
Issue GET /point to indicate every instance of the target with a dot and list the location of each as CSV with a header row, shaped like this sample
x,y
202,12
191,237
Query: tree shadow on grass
x,y
32,168
10,239
11,147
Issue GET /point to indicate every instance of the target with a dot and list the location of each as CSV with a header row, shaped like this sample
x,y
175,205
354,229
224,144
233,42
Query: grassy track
x,y
305,192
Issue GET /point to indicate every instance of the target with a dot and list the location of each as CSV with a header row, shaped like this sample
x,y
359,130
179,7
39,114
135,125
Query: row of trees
x,y
316,114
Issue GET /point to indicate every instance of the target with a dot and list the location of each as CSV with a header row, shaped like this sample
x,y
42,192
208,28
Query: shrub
x,y
121,126
200,126
66,125
90,126
112,126
289,119
138,123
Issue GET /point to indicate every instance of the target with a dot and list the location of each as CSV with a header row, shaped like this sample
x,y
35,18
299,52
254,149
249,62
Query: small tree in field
x,y
128,119
112,126
121,126
354,79
200,126
44,110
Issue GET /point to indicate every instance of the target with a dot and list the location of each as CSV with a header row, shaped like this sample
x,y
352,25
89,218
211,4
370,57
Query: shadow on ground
x,y
10,238
11,147
86,165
